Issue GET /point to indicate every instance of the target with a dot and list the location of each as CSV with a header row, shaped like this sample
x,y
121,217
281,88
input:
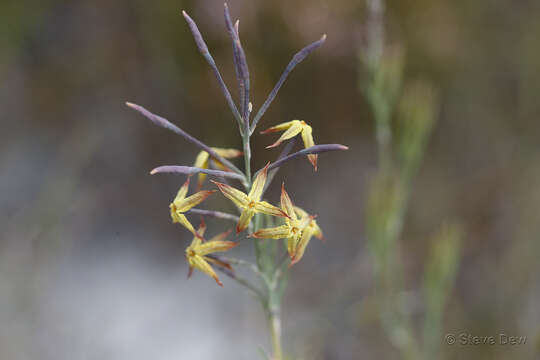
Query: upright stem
x,y
247,157
275,330
272,302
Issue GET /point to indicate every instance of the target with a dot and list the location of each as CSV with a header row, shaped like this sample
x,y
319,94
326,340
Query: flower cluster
x,y
297,226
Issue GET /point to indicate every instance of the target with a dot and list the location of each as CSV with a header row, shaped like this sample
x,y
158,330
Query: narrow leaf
x,y
159,121
199,41
178,169
312,150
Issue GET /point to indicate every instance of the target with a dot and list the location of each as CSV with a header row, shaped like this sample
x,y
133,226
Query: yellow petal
x,y
199,236
199,263
215,246
236,196
300,247
258,185
307,137
279,127
201,162
286,203
245,218
300,212
279,232
269,209
291,132
181,219
291,246
304,222
193,200
227,153
182,192
317,232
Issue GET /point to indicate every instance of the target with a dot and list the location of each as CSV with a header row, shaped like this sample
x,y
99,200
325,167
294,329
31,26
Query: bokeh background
x,y
90,264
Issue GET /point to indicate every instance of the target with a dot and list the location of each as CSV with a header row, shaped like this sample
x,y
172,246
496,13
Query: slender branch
x,y
178,169
297,58
312,150
244,282
160,121
240,262
241,67
216,214
206,54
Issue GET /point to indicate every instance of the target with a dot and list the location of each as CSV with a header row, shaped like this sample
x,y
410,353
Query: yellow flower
x,y
311,230
202,161
294,128
298,229
197,253
250,203
181,204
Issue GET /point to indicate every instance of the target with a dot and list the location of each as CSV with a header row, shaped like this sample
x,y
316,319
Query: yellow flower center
x,y
190,252
302,122
251,204
294,230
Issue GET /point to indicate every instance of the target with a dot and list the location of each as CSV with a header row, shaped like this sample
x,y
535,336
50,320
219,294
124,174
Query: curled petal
x,y
279,232
295,129
269,209
286,203
258,185
245,218
215,246
193,200
201,162
317,232
307,137
199,263
279,127
291,246
301,246
228,153
236,196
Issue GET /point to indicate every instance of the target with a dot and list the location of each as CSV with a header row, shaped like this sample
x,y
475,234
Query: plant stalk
x,y
275,330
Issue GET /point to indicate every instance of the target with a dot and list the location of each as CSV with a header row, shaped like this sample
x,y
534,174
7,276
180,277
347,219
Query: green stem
x,y
247,157
275,330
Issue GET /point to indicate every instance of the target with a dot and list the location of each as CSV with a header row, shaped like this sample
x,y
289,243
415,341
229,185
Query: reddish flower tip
x,y
274,145
218,282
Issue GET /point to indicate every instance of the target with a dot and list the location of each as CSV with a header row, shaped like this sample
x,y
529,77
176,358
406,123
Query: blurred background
x,y
90,264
